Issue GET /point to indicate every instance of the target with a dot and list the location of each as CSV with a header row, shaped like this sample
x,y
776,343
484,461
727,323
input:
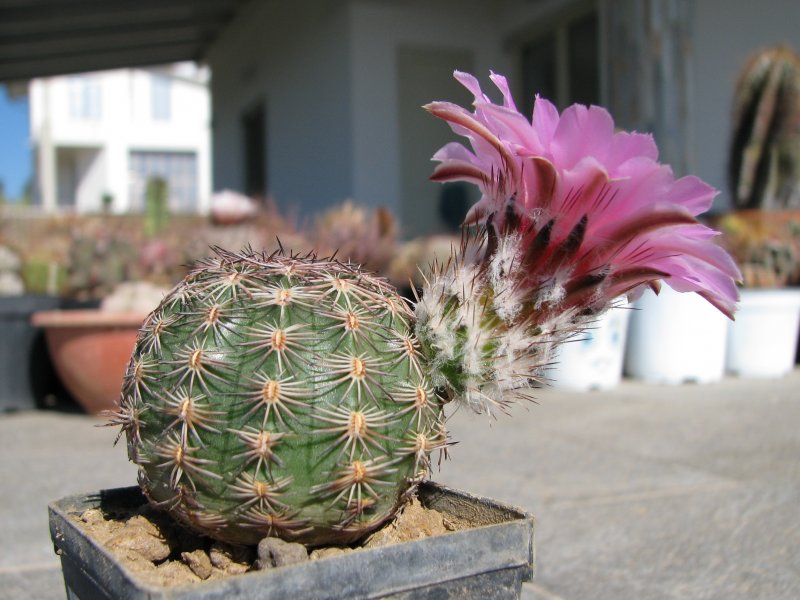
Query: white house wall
x,y
295,61
380,30
80,174
187,129
726,33
326,74
125,124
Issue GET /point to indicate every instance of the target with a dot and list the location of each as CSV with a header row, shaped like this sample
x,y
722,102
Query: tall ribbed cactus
x,y
764,162
279,395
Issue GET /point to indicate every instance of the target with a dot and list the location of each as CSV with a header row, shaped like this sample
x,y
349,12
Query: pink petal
x,y
582,132
583,182
693,193
539,180
472,84
693,241
478,211
692,275
577,193
639,182
625,146
502,85
621,240
455,170
459,116
545,120
454,151
512,127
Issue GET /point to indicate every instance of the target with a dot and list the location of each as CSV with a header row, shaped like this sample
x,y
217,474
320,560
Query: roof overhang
x,y
40,38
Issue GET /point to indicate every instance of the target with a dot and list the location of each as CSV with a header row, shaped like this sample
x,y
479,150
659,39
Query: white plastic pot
x,y
593,359
762,342
675,338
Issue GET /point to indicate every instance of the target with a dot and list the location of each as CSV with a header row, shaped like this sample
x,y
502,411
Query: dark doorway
x,y
424,73
562,63
254,135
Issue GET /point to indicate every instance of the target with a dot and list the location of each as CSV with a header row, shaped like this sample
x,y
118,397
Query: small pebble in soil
x,y
141,536
275,552
234,560
199,562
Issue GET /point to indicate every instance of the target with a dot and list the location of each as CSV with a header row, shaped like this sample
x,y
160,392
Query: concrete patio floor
x,y
642,492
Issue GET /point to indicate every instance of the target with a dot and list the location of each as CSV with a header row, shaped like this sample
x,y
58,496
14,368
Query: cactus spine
x,y
279,395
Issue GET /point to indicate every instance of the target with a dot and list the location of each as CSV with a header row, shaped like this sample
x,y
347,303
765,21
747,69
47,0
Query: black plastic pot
x,y
489,561
26,372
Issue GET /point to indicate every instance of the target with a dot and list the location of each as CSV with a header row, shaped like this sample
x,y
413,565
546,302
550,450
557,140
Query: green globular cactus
x,y
280,395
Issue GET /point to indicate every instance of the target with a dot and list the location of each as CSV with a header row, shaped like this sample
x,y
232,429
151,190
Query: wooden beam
x,y
31,8
100,41
50,37
46,18
77,63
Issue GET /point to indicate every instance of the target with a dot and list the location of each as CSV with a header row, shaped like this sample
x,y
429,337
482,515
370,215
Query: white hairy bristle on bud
x,y
464,280
484,348
508,296
552,292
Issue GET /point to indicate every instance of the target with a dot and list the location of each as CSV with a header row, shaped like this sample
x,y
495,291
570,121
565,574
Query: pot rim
x,y
87,317
785,296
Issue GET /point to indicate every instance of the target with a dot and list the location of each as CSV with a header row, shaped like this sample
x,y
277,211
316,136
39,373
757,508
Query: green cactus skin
x,y
280,395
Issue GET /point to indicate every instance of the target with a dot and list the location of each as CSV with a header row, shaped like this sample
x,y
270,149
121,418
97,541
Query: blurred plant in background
x,y
416,259
87,257
356,234
156,212
764,161
11,282
763,231
765,245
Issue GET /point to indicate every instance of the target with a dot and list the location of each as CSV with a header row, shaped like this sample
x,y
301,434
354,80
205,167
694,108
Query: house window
x,y
178,169
563,63
85,97
160,97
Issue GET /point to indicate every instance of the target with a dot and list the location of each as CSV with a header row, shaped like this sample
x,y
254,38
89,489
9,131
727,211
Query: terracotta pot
x,y
90,350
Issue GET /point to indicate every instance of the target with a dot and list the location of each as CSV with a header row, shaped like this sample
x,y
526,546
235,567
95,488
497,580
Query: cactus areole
x,y
282,396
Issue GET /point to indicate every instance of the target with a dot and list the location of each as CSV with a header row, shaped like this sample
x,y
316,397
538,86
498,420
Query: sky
x,y
15,151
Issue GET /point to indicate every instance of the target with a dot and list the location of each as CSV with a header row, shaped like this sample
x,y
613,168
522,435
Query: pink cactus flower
x,y
597,216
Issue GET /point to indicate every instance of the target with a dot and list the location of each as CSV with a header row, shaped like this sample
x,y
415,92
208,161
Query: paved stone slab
x,y
33,583
641,492
45,456
730,544
649,491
